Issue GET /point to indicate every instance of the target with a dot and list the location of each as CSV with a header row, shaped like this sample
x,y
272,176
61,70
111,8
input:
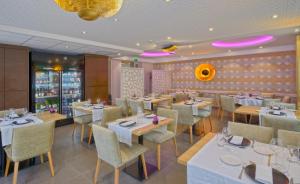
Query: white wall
x,y
115,70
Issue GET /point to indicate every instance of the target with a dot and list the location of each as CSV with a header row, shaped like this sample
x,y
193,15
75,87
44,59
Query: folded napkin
x,y
276,112
264,174
14,115
237,140
128,123
21,121
148,105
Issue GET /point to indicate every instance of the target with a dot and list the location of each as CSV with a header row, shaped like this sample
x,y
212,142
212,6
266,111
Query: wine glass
x,y
276,146
89,101
98,100
226,134
25,111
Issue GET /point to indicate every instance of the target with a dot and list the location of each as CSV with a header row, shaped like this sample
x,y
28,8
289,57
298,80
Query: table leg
x,y
136,169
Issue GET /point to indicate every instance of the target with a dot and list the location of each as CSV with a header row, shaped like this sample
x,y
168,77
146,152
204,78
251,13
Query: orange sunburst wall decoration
x,y
205,72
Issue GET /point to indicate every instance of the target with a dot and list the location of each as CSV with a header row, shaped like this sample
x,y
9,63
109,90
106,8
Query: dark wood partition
x,y
14,77
96,77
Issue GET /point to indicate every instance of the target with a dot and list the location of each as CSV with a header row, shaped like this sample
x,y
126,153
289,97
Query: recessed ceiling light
x,y
65,58
275,16
154,45
261,47
169,38
83,32
168,1
190,46
229,50
66,46
211,29
138,44
116,20
297,30
119,54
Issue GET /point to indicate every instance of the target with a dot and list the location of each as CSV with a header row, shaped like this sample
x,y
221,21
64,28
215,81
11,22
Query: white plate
x,y
150,116
263,150
231,160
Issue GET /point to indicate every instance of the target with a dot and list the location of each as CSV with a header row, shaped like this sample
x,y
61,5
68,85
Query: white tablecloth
x,y
265,111
7,127
207,168
124,134
248,101
97,114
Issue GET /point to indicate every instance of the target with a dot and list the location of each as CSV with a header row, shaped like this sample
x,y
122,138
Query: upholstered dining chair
x,y
179,97
185,117
82,120
269,101
289,137
134,105
159,138
258,133
206,113
29,142
290,106
114,153
109,114
122,102
277,122
166,104
228,105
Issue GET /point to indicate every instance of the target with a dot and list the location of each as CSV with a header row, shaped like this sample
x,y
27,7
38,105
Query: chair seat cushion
x,y
159,137
197,119
128,153
83,119
204,114
7,150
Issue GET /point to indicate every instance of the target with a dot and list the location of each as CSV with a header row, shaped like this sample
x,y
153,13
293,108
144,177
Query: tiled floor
x,y
75,162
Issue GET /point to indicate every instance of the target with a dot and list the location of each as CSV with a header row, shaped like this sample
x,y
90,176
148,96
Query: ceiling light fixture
x,y
91,9
261,47
297,30
275,16
138,44
156,54
119,54
247,42
168,1
190,46
211,29
83,32
169,38
116,20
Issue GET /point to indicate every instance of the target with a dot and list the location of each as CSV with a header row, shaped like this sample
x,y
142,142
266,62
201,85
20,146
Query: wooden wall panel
x,y
1,78
16,99
2,100
96,77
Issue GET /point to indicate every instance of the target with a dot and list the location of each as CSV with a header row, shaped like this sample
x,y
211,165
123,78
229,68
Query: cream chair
x,y
179,97
289,137
160,137
206,114
122,102
270,101
115,154
277,122
290,106
258,133
109,114
29,142
80,120
166,104
228,105
134,105
185,117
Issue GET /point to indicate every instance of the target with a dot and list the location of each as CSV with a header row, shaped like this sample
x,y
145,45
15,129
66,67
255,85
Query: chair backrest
x,y
269,101
290,106
169,113
107,145
74,104
280,123
169,101
258,133
289,137
185,114
31,141
111,114
134,105
286,99
267,95
227,103
179,97
122,102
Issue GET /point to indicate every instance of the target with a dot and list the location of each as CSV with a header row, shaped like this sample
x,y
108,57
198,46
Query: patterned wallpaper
x,y
161,81
273,72
132,82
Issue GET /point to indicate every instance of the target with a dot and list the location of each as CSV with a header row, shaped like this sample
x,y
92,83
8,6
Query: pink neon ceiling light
x,y
157,54
247,42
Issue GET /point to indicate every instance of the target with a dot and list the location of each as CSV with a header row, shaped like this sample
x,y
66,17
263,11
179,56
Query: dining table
x,y
150,101
143,126
206,163
41,117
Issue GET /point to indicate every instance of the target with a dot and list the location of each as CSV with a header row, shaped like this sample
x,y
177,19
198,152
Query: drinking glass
x,y
25,111
225,133
89,101
279,157
98,100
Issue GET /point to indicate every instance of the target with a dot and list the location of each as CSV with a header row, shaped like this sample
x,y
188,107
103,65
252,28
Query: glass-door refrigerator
x,y
57,81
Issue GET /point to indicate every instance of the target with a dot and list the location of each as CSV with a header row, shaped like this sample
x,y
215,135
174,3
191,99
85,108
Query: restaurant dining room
x,y
150,92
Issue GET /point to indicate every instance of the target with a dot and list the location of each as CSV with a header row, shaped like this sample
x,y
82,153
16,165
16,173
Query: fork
x,y
242,171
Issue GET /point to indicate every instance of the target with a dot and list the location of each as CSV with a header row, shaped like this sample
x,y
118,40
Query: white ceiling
x,y
43,25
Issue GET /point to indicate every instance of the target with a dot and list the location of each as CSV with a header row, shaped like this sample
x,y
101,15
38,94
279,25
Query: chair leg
x,y
250,119
158,156
7,166
117,175
50,163
42,158
233,116
16,169
90,135
209,119
82,133
175,144
199,125
74,128
222,115
144,166
219,112
191,134
246,120
97,170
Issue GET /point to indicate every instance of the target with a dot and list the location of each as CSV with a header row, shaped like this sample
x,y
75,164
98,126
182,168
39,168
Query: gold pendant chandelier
x,y
91,9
